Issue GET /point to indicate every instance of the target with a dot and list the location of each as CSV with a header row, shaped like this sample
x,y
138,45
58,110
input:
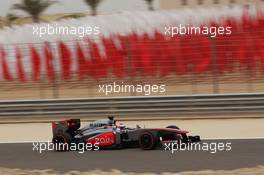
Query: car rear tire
x,y
62,142
173,127
147,141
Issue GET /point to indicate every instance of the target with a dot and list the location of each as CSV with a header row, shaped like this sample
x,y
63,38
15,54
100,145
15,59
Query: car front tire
x,y
147,141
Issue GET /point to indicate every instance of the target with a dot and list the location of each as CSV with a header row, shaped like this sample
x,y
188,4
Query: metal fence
x,y
175,85
141,107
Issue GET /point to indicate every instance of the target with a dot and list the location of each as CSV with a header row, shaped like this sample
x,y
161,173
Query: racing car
x,y
108,134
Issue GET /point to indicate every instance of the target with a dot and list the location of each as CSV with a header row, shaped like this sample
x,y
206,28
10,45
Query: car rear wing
x,y
68,125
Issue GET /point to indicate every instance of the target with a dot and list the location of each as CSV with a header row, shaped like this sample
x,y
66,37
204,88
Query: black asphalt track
x,y
244,153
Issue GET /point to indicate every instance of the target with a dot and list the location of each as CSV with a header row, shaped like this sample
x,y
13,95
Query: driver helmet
x,y
121,125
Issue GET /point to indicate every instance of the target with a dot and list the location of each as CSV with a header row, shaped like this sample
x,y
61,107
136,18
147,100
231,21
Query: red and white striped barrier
x,y
134,44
